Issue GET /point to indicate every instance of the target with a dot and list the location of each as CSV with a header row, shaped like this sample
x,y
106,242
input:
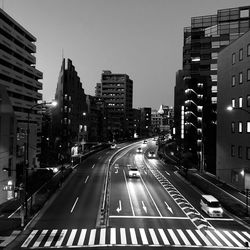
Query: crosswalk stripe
x,y
61,238
50,239
183,236
71,237
163,236
153,236
29,239
113,236
240,236
174,238
233,239
247,234
143,236
102,236
204,238
92,237
196,241
223,238
133,236
40,238
82,237
123,236
213,238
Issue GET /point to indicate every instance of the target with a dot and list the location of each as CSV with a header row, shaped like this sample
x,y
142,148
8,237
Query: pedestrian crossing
x,y
136,237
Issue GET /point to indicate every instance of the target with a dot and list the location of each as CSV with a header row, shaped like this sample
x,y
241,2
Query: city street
x,y
159,208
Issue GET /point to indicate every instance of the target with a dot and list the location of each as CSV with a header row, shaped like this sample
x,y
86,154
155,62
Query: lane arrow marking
x,y
144,207
120,207
168,207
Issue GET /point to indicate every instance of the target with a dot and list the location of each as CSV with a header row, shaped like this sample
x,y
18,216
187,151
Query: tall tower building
x,y
19,78
206,36
69,118
117,92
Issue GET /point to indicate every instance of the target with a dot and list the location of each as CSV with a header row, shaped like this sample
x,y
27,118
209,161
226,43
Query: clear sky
x,y
142,38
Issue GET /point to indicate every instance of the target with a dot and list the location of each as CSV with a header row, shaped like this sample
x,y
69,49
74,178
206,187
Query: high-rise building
x,y
146,122
156,121
70,115
206,36
20,79
233,128
117,92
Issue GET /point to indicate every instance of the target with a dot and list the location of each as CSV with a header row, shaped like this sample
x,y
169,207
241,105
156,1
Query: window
x,y
233,81
233,58
240,102
214,55
214,78
214,89
233,103
232,150
240,78
244,13
248,153
248,101
248,74
240,54
233,127
248,49
248,126
240,127
240,151
213,66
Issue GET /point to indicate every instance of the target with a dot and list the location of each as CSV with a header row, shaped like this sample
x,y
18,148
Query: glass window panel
x,y
233,58
214,78
248,101
233,81
233,127
240,77
248,127
248,74
234,25
214,55
240,127
240,102
240,151
241,54
232,150
244,13
233,103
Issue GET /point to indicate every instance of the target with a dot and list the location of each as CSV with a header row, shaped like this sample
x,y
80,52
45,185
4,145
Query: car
x,y
133,172
145,142
151,154
211,206
113,146
139,150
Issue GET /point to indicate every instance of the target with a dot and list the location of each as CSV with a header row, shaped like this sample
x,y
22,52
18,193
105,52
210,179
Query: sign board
x,y
8,188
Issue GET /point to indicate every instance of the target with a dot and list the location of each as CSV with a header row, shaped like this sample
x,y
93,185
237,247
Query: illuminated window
x,y
233,127
248,127
240,78
240,54
233,103
244,13
240,127
233,58
213,66
214,55
233,81
240,102
214,78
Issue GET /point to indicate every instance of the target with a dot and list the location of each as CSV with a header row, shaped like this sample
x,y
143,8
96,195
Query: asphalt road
x,y
157,209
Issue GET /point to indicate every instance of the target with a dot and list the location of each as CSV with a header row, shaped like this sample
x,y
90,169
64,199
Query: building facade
x,y
70,115
146,122
117,92
20,78
203,40
156,121
233,128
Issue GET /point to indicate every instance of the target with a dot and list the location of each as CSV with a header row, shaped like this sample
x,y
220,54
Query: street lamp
x,y
26,166
230,108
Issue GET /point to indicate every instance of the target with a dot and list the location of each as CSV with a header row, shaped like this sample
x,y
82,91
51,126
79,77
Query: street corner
x,y
6,240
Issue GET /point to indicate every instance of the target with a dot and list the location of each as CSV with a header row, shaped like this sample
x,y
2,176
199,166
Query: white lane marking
x,y
240,236
92,237
196,241
113,236
247,234
223,238
153,236
174,238
130,200
71,237
86,179
40,238
93,166
102,236
163,236
82,237
183,237
29,239
123,236
50,239
213,238
148,217
151,197
233,239
143,236
61,238
168,207
204,238
144,207
133,236
167,173
74,205
119,207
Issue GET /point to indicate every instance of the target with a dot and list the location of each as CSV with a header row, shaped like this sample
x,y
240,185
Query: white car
x,y
151,154
211,206
139,150
133,172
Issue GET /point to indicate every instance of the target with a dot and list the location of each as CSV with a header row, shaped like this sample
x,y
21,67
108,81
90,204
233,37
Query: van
x,y
211,206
